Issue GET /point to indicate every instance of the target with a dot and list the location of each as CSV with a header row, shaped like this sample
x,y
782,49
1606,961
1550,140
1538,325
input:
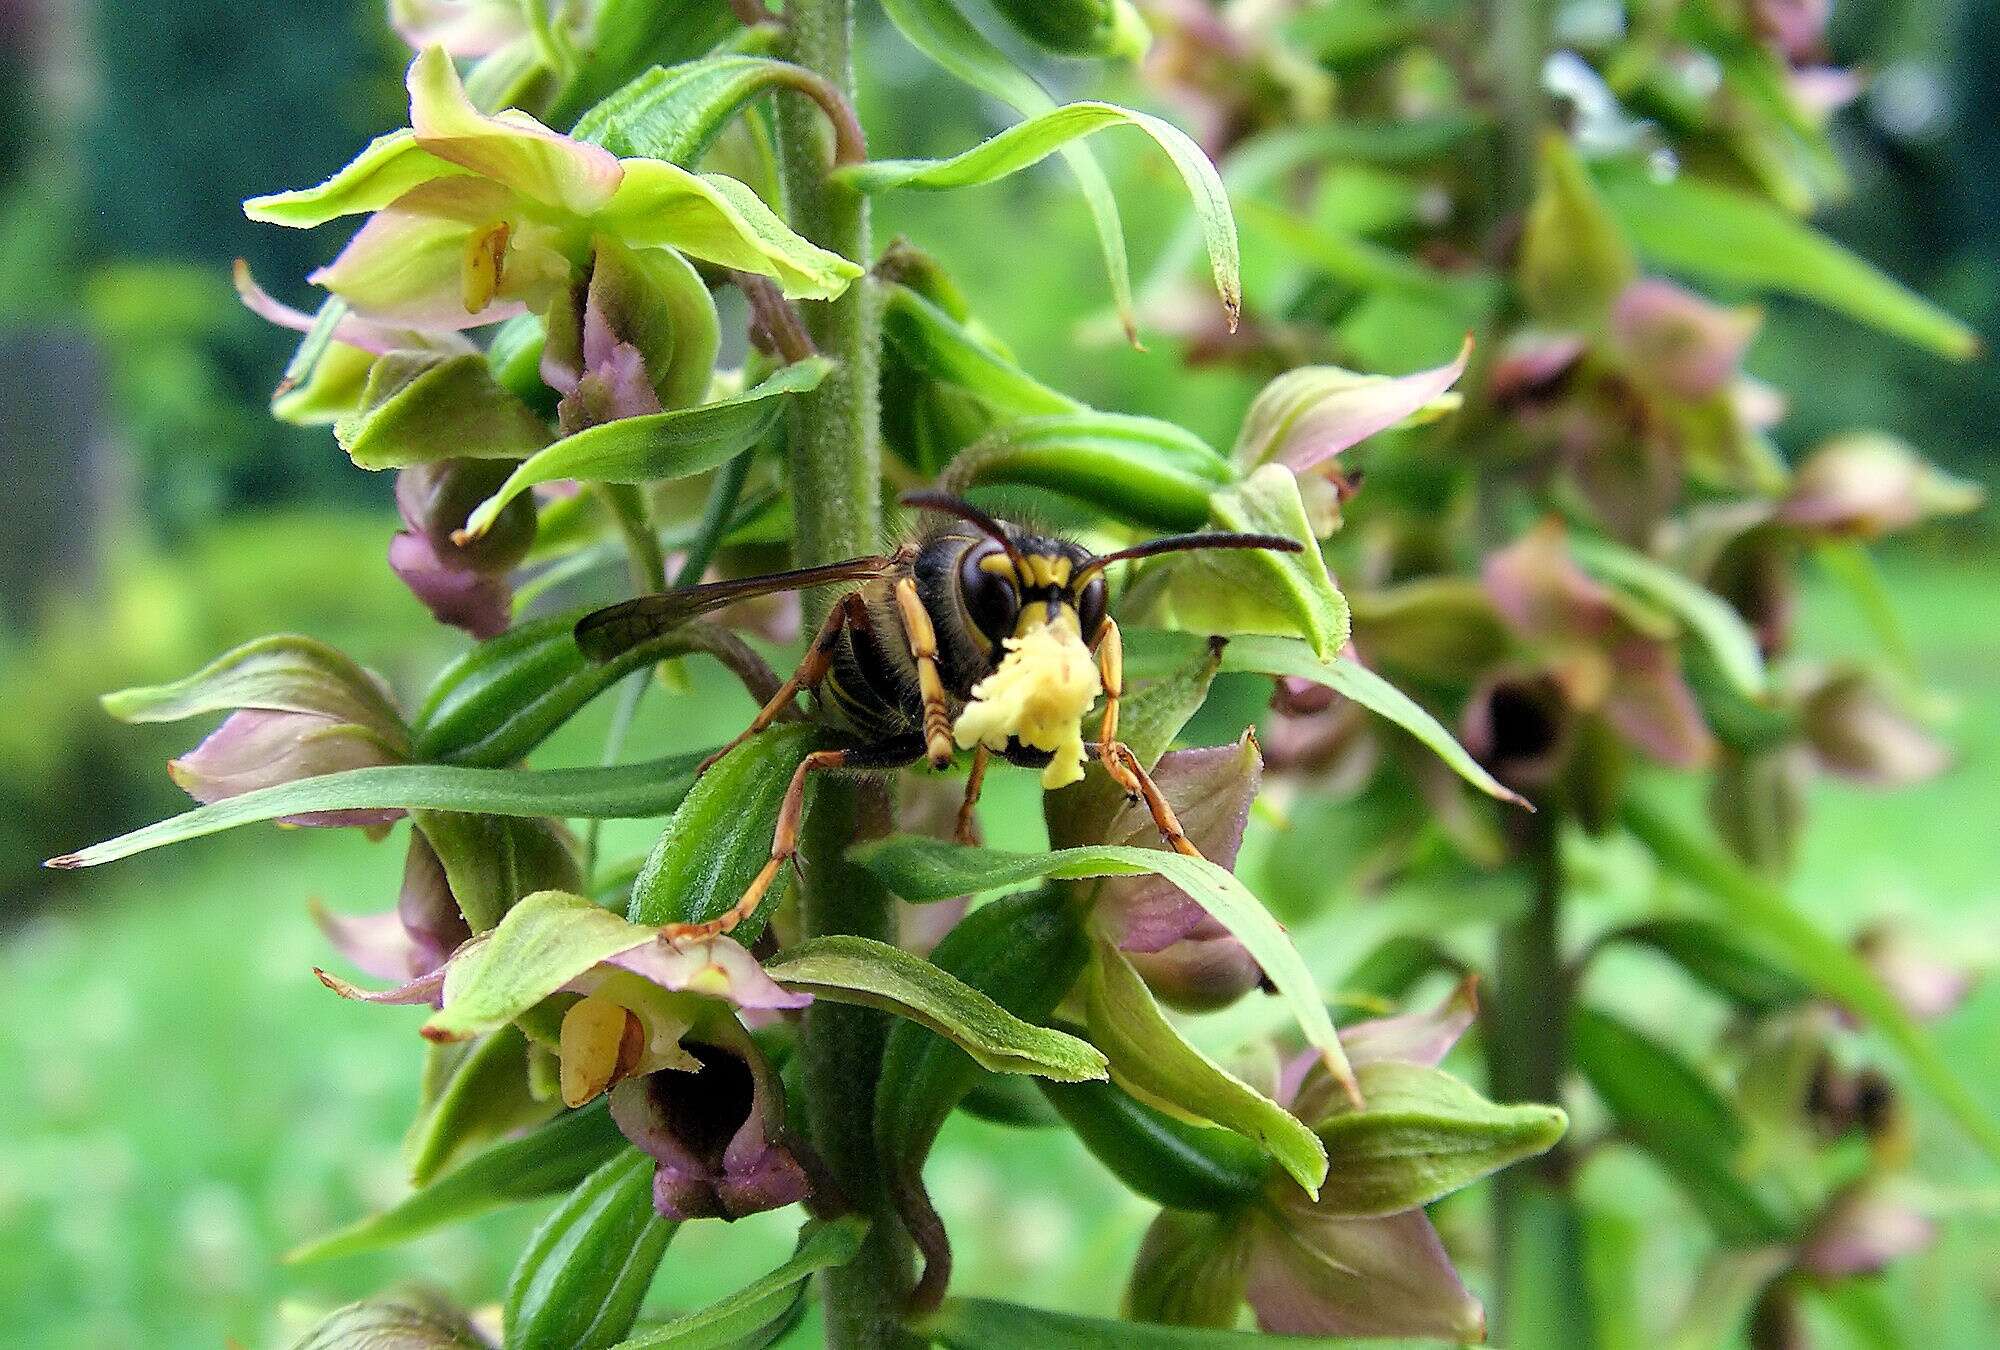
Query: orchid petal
x,y
719,967
1317,1276
390,166
422,989
255,748
719,220
1211,790
1309,415
351,331
461,27
511,149
406,264
1651,705
377,945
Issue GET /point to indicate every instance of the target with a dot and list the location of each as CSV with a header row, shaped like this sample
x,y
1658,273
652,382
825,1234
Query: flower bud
x,y
1677,341
717,1135
1080,28
259,748
1207,969
1865,1227
1211,790
1927,986
1867,485
464,585
418,1320
1189,1271
1857,733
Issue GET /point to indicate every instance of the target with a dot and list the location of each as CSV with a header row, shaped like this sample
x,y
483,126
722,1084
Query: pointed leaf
x,y
877,975
551,1158
674,113
1422,1135
717,219
752,1314
672,444
920,869
626,791
1151,1060
1712,231
1574,260
1761,912
1031,141
938,30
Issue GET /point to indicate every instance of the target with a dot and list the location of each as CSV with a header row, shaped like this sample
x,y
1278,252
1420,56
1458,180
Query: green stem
x,y
835,468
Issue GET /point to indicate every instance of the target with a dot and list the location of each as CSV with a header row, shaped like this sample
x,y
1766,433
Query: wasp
x,y
978,635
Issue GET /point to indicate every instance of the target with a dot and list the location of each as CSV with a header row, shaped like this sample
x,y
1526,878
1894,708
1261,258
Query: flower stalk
x,y
835,470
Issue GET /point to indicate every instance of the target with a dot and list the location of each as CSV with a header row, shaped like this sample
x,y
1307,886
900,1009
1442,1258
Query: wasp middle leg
x,y
785,839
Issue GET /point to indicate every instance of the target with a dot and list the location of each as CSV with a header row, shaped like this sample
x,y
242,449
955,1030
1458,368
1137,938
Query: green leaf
x,y
987,1324
551,1158
751,1314
628,791
486,1096
1236,591
1762,913
1151,1060
542,943
1157,1156
1137,470
876,975
920,869
675,112
585,1272
1146,651
1716,956
417,408
660,445
492,861
1574,259
1714,232
1044,133
938,346
1854,568
938,30
283,673
719,838
1712,619
1666,1108
1422,1135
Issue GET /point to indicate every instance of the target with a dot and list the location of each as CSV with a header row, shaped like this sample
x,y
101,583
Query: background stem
x,y
835,468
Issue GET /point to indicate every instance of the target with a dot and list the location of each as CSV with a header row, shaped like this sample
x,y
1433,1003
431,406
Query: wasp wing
x,y
608,632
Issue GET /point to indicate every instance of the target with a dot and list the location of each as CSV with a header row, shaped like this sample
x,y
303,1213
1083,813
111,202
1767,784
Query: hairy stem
x,y
835,467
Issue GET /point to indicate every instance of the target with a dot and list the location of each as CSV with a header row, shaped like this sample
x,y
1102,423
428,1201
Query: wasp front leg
x,y
1110,652
1123,765
938,745
812,668
973,782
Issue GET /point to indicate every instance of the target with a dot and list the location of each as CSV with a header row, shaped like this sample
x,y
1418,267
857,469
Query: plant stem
x,y
835,467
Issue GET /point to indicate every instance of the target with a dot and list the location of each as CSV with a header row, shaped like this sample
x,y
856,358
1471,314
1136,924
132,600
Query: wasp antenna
x,y
947,505
1188,543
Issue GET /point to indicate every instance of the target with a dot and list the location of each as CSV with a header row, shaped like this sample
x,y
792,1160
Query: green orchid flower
x,y
476,218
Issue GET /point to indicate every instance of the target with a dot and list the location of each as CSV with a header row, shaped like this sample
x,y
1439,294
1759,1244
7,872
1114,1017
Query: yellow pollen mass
x,y
1044,685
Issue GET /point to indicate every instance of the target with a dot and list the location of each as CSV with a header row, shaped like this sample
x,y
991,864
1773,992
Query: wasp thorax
x,y
1044,685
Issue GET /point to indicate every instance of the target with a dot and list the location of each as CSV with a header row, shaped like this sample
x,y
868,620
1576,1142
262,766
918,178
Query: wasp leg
x,y
973,783
1145,789
1110,651
785,839
811,670
938,746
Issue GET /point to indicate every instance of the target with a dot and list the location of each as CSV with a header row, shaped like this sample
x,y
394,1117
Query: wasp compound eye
x,y
992,600
1090,607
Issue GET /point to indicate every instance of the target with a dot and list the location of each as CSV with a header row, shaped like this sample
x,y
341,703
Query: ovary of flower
x,y
1044,686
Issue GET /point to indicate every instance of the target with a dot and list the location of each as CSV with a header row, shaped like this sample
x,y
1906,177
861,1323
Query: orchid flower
x,y
476,218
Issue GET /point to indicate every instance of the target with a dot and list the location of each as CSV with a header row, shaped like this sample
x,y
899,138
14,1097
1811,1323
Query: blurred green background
x,y
180,1101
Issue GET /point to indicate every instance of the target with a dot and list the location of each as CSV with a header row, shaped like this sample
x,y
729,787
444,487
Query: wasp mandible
x,y
981,635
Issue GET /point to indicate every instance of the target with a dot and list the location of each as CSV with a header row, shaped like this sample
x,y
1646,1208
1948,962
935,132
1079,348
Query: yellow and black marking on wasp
x,y
980,635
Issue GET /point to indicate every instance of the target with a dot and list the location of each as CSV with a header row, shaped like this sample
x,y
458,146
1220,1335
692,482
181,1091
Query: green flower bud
x,y
1083,28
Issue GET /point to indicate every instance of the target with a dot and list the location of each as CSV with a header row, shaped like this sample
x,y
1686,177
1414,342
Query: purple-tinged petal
x,y
1824,90
1650,705
254,748
719,967
1519,726
1797,28
1867,485
1531,362
1542,593
1309,1091
460,27
1863,1229
377,945
511,149
351,330
406,266
716,1135
1678,341
1211,790
615,386
1927,986
1316,1276
1856,731
1309,415
1209,968
427,909
423,989
481,603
